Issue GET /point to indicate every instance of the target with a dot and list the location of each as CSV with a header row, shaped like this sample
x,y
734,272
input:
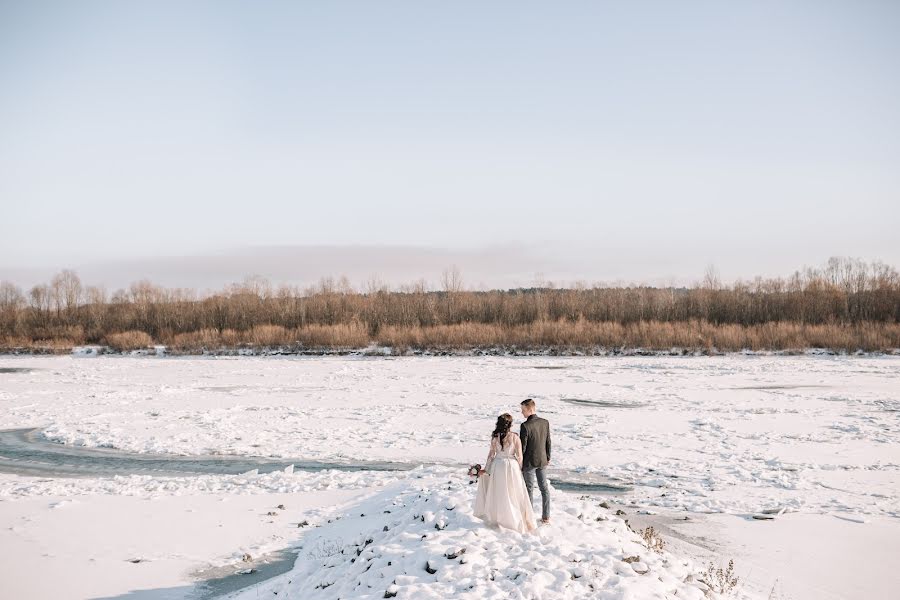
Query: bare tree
x,y
11,303
860,300
451,280
11,297
39,298
711,280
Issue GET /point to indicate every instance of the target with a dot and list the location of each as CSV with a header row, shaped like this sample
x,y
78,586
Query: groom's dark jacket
x,y
535,436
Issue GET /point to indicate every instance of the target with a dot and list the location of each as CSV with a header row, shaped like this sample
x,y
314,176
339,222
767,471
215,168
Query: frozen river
x,y
708,437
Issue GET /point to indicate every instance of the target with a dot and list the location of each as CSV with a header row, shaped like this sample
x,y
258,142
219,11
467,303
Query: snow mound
x,y
418,539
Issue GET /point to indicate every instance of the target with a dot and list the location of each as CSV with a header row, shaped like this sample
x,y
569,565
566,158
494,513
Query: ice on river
x,y
730,434
736,435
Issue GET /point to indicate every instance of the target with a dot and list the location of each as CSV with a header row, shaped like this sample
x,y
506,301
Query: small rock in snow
x,y
452,554
640,568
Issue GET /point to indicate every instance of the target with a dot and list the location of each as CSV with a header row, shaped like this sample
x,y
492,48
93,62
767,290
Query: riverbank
x,y
375,351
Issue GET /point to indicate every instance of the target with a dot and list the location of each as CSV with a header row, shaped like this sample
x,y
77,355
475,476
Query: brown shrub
x,y
267,336
72,333
230,338
128,340
13,341
52,346
196,340
650,335
561,334
347,335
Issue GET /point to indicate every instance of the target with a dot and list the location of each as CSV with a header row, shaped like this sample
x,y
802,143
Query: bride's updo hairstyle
x,y
504,423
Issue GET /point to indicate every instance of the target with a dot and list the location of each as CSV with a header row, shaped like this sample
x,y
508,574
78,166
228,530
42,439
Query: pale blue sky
x,y
658,137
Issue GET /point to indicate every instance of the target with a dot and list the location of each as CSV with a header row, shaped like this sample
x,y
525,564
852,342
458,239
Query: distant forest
x,y
847,304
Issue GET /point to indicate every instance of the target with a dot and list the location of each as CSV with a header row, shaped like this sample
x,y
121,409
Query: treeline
x,y
846,304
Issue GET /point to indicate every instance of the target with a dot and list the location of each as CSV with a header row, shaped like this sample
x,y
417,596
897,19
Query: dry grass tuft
x,y
349,335
721,581
652,540
203,339
561,335
268,336
129,340
649,335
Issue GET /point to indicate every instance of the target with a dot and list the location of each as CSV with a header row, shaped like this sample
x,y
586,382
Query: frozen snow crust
x,y
734,434
809,440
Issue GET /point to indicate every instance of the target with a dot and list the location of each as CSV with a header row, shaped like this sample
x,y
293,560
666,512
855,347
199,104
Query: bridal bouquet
x,y
474,470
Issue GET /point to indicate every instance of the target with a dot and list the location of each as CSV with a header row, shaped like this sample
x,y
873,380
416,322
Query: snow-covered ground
x,y
812,437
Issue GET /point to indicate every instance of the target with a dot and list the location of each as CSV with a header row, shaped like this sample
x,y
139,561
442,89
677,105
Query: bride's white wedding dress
x,y
502,498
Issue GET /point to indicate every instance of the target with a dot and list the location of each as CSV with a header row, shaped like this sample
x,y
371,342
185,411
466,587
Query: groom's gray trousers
x,y
529,473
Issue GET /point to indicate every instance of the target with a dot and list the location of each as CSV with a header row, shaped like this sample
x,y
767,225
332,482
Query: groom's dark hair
x,y
528,403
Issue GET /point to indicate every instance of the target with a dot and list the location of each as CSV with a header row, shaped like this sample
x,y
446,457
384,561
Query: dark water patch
x,y
585,483
584,487
218,581
12,370
780,387
231,389
227,389
26,452
603,403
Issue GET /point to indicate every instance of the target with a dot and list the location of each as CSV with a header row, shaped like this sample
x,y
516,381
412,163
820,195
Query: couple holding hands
x,y
506,484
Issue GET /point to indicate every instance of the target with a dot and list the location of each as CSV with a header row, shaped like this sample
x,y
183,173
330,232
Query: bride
x,y
502,498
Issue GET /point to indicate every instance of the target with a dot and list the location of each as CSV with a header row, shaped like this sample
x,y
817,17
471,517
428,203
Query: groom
x,y
535,436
